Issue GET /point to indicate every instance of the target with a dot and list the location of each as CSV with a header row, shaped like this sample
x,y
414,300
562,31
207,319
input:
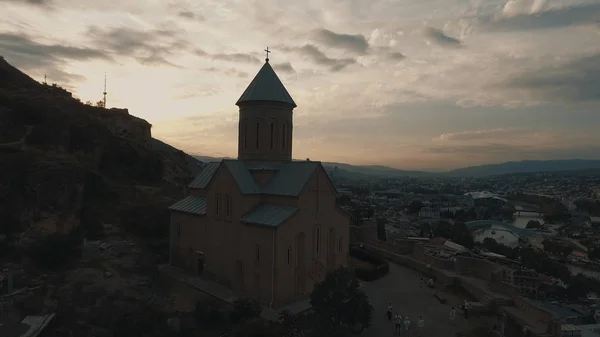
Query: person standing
x,y
452,314
398,325
407,326
389,311
466,307
420,326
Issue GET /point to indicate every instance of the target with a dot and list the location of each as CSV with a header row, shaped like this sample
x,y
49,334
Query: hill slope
x,y
64,164
527,166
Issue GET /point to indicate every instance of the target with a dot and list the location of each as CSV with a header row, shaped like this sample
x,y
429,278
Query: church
x,y
264,225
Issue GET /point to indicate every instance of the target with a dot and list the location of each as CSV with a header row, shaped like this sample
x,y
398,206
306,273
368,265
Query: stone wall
x,y
441,276
123,124
539,314
480,268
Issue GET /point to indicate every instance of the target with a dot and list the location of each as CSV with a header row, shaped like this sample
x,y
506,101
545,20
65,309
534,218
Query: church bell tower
x,y
265,122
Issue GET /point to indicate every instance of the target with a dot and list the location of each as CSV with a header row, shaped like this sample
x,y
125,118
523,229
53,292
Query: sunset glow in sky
x,y
412,84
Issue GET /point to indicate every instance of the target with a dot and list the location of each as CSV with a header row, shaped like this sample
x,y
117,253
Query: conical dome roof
x,y
266,86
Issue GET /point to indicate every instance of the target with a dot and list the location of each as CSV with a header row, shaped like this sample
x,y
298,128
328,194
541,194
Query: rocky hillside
x,y
65,165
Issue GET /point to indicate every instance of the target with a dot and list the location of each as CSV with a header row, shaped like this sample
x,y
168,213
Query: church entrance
x,y
239,276
331,250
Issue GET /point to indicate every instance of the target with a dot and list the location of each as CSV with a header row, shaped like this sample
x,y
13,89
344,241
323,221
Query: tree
x,y
461,235
207,313
381,233
458,233
340,307
370,212
245,309
533,224
143,321
54,250
100,104
415,207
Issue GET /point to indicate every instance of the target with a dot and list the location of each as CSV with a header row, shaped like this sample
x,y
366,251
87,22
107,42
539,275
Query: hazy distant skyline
x,y
412,84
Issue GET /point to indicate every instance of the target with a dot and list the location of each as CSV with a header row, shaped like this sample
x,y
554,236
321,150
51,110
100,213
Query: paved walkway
x,y
401,287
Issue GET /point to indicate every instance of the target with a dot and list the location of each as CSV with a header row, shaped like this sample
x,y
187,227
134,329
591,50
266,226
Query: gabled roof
x,y
191,204
266,86
242,176
268,215
205,175
289,180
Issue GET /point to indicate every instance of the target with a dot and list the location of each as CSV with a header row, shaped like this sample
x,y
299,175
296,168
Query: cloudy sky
x,y
414,84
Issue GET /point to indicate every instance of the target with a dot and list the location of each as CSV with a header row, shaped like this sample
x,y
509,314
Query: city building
x,y
267,227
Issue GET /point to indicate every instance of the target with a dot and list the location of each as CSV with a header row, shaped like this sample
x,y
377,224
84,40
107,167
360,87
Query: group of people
x,y
403,324
465,308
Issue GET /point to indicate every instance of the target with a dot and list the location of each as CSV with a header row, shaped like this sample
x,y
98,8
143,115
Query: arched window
x,y
289,256
317,240
257,133
257,252
283,135
245,131
272,125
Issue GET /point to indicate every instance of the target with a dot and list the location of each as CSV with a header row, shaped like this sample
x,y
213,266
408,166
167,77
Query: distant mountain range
x,y
525,166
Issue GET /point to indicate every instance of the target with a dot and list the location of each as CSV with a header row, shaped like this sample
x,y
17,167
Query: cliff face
x,y
66,165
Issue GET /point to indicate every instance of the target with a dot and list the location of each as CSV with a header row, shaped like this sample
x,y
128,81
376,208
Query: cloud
x,y
234,57
537,18
38,3
150,47
231,72
315,55
396,56
28,55
514,144
187,14
438,37
502,133
353,43
573,81
284,67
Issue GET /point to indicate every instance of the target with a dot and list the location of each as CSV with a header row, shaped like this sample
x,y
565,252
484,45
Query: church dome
x,y
266,87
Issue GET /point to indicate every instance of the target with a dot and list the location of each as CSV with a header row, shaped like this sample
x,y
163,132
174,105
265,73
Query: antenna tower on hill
x,y
104,93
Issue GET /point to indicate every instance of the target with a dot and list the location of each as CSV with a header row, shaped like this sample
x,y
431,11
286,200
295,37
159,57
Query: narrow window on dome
x,y
245,131
283,136
272,135
257,133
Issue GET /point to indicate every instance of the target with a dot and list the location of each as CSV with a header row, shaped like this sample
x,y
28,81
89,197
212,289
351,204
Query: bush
x,y
380,266
54,250
208,314
244,309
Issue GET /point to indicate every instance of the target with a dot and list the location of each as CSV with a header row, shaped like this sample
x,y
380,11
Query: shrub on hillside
x,y
54,251
209,314
245,309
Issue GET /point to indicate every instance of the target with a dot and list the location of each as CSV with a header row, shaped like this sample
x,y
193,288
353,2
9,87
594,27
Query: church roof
x,y
289,180
269,215
205,175
191,205
266,86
